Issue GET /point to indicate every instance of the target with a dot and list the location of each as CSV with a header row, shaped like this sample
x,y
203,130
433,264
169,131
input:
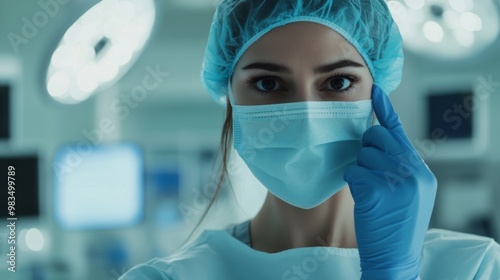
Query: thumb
x,y
386,115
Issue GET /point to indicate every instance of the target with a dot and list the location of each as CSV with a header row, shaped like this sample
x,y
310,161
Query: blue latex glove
x,y
394,193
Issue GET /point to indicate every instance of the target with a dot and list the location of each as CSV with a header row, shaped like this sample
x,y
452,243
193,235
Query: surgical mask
x,y
299,151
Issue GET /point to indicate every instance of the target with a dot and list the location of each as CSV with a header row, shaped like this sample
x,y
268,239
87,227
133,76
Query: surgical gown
x,y
226,254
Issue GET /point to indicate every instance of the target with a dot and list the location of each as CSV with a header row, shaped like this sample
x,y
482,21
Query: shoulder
x,y
468,256
148,271
446,240
190,262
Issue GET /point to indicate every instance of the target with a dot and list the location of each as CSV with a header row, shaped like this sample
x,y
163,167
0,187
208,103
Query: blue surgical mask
x,y
299,151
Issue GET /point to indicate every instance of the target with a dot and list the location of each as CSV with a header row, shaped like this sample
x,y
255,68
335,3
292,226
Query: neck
x,y
280,226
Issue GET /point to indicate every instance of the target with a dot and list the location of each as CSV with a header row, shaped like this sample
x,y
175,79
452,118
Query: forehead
x,y
307,41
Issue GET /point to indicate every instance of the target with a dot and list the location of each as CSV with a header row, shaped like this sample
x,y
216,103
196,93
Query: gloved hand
x,y
394,193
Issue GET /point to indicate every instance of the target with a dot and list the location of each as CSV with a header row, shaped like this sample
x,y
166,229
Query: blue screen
x,y
98,186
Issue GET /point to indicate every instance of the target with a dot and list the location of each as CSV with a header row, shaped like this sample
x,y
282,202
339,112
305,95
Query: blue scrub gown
x,y
226,254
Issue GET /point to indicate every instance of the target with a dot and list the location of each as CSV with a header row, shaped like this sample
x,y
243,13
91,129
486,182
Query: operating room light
x,y
461,5
451,19
433,31
415,4
399,12
446,29
464,38
471,22
195,4
99,48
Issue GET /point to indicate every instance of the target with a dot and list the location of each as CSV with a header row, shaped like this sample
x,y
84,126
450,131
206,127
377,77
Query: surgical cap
x,y
237,24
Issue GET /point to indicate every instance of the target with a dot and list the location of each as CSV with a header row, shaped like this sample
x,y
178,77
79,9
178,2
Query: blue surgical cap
x,y
237,24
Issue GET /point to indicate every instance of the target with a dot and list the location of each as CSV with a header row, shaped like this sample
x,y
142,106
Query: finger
x,y
386,115
359,175
375,159
379,137
362,182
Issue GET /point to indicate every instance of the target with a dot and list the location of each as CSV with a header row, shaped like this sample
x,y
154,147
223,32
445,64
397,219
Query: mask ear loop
x,y
374,119
230,93
231,101
374,116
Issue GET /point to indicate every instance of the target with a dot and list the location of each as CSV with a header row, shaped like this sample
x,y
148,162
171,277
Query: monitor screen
x,y
98,186
451,115
4,112
25,183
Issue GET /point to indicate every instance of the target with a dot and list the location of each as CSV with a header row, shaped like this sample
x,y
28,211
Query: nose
x,y
305,92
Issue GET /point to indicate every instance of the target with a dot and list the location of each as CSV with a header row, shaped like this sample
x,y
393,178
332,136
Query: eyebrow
x,y
273,67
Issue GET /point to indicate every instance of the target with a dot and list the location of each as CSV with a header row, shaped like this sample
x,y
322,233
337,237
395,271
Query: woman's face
x,y
301,61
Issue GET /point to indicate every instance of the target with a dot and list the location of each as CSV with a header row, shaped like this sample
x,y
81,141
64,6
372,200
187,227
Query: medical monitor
x,y
457,121
20,179
4,111
451,114
98,186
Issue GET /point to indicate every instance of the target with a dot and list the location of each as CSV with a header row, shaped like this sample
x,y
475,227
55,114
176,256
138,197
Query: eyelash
x,y
252,80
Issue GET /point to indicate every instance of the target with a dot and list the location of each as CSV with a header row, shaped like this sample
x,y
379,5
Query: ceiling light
x,y
99,48
433,31
415,4
446,29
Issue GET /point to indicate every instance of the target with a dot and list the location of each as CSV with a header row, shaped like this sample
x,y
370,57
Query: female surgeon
x,y
305,85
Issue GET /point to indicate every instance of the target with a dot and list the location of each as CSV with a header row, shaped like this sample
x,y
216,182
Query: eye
x,y
267,84
264,84
342,83
339,83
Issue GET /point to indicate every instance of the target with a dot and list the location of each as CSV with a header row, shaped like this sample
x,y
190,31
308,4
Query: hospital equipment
x,y
98,186
98,48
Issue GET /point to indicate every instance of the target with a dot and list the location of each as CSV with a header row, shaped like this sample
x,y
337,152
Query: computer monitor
x,y
457,123
4,112
451,114
98,186
25,168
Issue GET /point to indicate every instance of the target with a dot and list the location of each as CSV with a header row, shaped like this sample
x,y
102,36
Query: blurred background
x,y
108,139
